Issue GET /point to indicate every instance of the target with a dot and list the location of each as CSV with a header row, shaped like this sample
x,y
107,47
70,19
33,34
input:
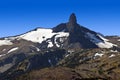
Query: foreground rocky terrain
x,y
86,64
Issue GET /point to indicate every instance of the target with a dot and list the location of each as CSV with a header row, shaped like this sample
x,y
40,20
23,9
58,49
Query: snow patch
x,y
37,49
98,54
67,55
98,42
61,35
5,42
104,39
4,50
118,39
93,38
105,44
113,51
2,55
50,44
112,55
70,51
13,49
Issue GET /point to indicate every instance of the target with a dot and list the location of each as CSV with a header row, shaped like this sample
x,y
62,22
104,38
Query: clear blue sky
x,y
20,16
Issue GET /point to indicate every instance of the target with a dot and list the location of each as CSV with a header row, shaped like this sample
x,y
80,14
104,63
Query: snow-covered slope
x,y
38,36
101,43
42,34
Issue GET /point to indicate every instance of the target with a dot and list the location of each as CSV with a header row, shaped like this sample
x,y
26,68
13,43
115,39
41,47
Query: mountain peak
x,y
72,19
72,24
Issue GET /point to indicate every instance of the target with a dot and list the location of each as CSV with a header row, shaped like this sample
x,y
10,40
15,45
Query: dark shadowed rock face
x,y
72,19
77,33
72,23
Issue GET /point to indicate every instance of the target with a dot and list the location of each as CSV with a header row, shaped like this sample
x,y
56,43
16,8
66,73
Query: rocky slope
x,y
85,64
114,39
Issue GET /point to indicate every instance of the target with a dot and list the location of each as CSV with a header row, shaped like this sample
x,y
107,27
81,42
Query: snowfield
x,y
5,42
42,34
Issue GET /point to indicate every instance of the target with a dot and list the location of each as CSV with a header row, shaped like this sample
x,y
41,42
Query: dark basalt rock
x,y
72,19
77,34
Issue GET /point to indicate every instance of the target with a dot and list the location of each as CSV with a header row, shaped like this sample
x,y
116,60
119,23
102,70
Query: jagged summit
x,y
72,19
69,26
72,24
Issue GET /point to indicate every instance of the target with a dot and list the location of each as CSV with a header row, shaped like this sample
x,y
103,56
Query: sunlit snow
x,y
105,44
41,34
112,55
50,44
2,55
4,50
102,37
13,49
99,54
5,42
114,51
98,42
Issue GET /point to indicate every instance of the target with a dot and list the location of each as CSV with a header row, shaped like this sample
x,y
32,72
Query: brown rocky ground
x,y
81,65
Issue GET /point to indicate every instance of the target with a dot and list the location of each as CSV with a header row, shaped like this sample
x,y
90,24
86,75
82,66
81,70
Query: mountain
x,y
41,48
65,35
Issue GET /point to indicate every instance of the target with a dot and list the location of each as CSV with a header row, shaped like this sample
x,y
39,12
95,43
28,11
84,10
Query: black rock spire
x,y
72,19
72,23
